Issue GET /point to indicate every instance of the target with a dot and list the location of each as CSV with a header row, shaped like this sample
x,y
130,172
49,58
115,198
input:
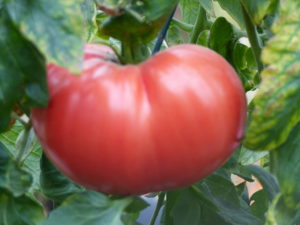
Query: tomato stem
x,y
253,38
160,203
133,53
199,25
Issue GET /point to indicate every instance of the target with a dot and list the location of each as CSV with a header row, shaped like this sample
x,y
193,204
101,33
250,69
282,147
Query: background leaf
x,y
260,204
258,9
281,214
276,111
248,157
136,22
208,6
221,36
267,180
13,178
54,184
233,8
88,208
54,26
188,206
32,162
89,12
189,10
245,65
19,211
287,169
174,35
22,71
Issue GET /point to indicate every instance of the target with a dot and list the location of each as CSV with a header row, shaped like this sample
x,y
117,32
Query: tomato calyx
x,y
134,24
133,54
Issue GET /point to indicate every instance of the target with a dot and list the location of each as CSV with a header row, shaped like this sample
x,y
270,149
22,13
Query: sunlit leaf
x,y
276,109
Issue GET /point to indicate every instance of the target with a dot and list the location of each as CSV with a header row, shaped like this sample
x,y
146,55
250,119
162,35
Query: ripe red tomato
x,y
134,129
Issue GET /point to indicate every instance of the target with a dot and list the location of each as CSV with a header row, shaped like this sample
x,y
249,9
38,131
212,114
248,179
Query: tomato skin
x,y
134,129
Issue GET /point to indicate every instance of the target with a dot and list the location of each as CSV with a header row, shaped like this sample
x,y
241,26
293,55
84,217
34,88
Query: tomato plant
x,y
135,112
159,125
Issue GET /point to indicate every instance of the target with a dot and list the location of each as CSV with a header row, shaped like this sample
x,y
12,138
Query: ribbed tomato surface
x,y
134,129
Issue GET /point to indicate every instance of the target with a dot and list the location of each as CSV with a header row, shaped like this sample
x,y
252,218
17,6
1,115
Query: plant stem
x,y
182,25
199,25
25,143
272,161
48,204
253,38
25,140
163,33
18,118
160,202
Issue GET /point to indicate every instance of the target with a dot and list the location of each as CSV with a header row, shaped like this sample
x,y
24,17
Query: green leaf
x,y
54,184
242,191
12,177
10,137
248,157
233,166
4,163
267,180
54,26
236,215
280,90
137,204
191,207
19,211
258,9
231,211
234,9
171,197
280,214
208,6
133,210
18,180
174,35
207,203
221,187
221,35
31,164
297,218
203,38
130,219
21,78
135,21
244,64
189,10
287,169
4,119
187,210
88,208
89,12
260,203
